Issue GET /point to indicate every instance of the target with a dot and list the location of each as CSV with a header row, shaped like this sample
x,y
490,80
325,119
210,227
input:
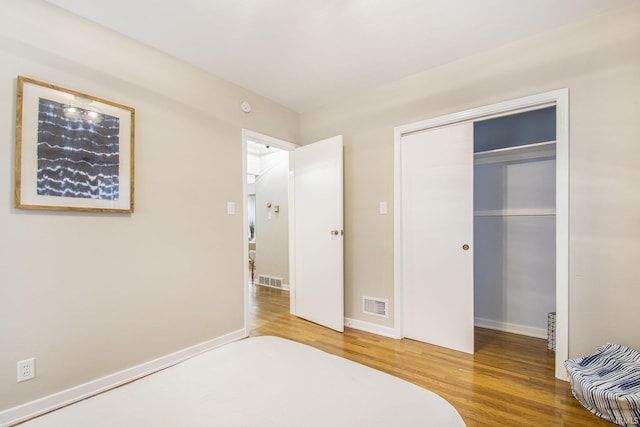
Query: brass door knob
x,y
465,247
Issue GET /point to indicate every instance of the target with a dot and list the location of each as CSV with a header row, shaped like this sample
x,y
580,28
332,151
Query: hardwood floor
x,y
509,381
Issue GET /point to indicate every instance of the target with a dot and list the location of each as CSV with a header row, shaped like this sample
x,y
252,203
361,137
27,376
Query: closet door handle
x,y
465,247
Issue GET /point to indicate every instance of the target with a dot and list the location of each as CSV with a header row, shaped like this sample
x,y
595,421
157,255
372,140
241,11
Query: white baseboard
x,y
371,327
482,323
285,286
511,328
40,406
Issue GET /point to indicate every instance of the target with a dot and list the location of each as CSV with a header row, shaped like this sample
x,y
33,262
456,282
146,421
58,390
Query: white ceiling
x,y
305,53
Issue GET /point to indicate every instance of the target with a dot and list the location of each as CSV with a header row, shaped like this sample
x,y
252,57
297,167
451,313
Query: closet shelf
x,y
516,212
539,150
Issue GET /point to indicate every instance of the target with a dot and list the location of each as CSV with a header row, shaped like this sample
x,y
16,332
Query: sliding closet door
x,y
436,236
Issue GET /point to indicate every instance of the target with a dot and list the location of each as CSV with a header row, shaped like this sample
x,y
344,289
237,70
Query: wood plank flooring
x,y
509,381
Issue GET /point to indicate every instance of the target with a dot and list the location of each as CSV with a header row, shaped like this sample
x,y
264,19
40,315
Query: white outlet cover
x,y
26,369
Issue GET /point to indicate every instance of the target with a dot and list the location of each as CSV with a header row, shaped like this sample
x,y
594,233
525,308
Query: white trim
x,y
285,286
517,212
373,328
245,230
397,231
562,232
513,106
540,151
558,97
268,140
74,394
282,145
292,235
512,328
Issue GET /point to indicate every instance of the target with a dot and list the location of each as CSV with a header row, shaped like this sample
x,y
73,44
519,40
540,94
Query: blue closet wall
x,y
529,127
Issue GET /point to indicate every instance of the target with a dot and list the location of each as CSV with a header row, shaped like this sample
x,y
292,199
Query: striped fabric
x,y
607,383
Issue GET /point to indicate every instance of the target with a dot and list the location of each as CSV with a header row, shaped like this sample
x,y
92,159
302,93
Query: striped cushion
x,y
607,383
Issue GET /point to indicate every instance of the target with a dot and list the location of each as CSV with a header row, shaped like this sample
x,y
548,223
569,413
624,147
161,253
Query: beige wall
x,y
599,61
91,294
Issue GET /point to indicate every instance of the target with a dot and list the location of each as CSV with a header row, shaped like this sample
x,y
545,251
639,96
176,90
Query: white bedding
x,y
261,381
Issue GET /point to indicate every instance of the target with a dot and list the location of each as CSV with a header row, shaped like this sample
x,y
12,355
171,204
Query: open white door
x,y
317,229
437,234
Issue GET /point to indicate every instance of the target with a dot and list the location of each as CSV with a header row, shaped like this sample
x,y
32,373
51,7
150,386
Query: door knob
x,y
465,247
334,232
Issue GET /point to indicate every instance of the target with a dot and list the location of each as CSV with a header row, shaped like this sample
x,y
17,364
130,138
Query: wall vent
x,y
375,306
272,282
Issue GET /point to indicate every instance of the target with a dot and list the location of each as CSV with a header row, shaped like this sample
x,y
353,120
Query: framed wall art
x,y
73,151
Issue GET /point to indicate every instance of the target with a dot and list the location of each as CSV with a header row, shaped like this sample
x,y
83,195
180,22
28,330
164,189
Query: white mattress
x,y
262,381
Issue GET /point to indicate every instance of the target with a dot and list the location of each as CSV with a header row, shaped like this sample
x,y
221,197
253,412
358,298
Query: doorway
x,y
464,321
315,237
514,221
266,212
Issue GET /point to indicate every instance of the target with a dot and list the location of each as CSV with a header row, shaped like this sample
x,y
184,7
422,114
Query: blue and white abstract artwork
x,y
78,154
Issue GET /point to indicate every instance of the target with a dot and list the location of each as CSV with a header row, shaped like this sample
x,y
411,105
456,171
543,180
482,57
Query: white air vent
x,y
375,306
272,282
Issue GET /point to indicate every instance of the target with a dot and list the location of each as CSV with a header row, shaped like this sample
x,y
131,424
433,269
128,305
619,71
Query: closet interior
x,y
514,221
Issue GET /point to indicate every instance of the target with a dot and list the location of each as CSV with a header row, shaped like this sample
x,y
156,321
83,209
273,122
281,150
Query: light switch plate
x,y
231,208
383,208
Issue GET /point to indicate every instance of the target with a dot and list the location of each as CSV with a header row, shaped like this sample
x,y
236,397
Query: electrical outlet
x,y
26,369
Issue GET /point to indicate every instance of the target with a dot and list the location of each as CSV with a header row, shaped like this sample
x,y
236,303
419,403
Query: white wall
x,y
90,294
253,164
599,61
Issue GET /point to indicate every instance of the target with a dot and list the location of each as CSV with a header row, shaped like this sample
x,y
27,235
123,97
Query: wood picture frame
x,y
73,151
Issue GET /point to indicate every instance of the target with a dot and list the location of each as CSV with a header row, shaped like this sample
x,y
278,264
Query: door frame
x,y
559,98
285,146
